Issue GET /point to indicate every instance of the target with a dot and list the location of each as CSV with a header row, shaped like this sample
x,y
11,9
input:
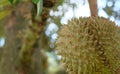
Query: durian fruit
x,y
89,46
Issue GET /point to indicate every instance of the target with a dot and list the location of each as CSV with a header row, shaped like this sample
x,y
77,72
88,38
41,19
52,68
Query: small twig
x,y
93,7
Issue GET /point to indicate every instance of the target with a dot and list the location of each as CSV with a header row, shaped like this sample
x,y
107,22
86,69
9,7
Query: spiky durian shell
x,y
89,46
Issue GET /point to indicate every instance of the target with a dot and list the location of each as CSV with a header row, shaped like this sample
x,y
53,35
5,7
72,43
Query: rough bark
x,y
14,24
32,34
1,52
11,61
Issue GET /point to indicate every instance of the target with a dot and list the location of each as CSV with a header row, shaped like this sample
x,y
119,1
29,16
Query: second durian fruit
x,y
89,46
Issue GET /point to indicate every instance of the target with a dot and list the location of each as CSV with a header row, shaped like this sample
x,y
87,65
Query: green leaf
x,y
4,3
18,1
4,13
35,1
14,1
11,1
39,7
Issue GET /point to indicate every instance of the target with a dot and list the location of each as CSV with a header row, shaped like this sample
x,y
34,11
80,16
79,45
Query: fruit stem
x,y
93,7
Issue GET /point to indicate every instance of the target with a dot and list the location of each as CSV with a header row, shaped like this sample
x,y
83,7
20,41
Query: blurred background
x,y
28,30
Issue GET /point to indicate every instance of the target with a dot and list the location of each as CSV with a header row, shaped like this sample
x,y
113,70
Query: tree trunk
x,y
14,24
13,59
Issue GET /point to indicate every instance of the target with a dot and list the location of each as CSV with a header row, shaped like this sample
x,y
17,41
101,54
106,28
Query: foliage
x,y
39,7
35,1
112,8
